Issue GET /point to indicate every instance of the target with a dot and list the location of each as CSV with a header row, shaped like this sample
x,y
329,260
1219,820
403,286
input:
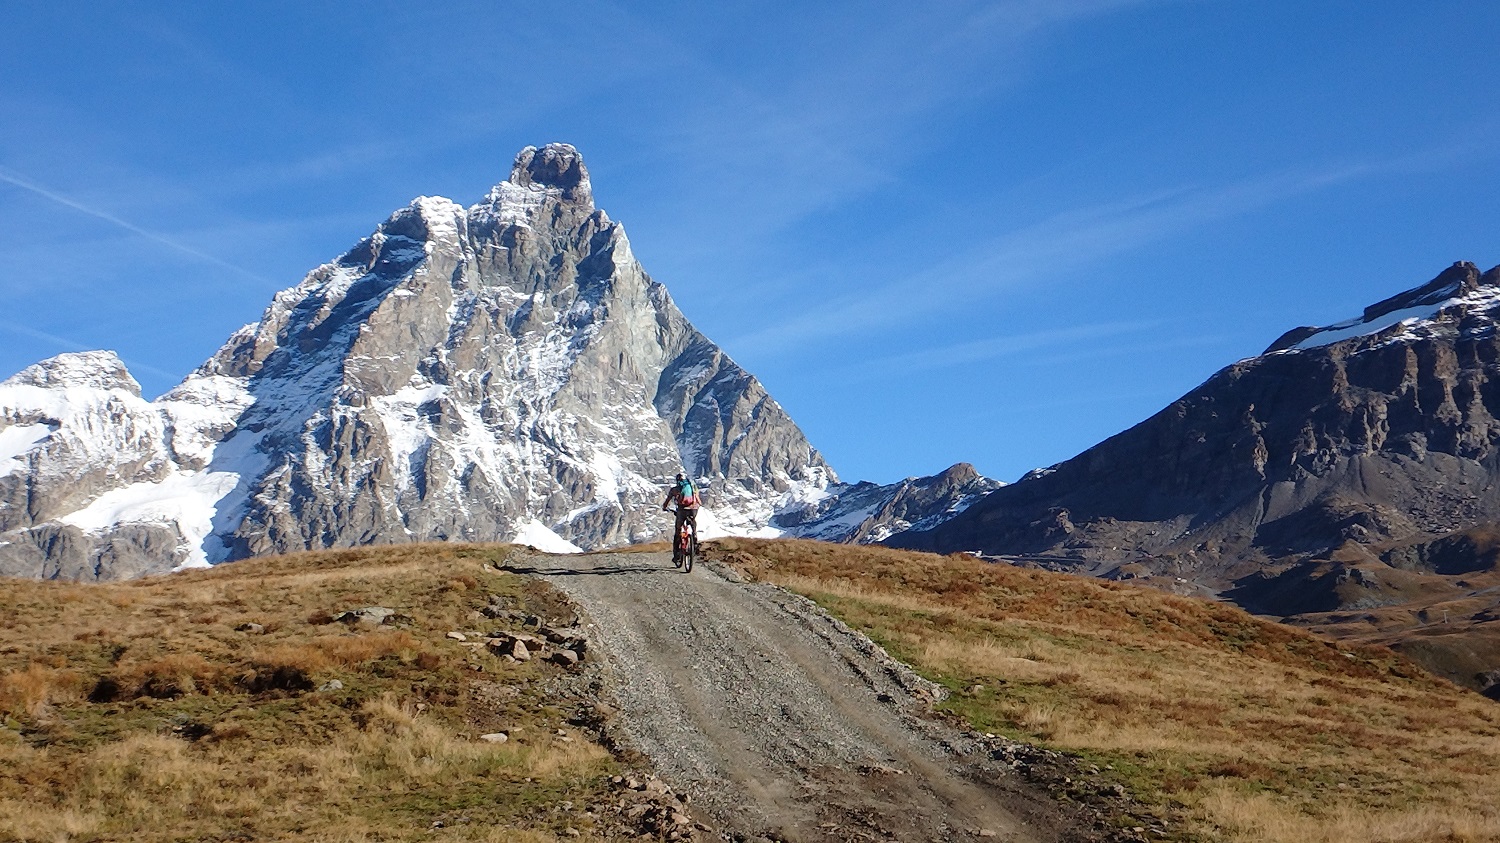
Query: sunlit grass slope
x,y
1243,729
143,711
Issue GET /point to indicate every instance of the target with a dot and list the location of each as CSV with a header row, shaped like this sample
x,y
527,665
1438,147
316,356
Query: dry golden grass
x,y
1246,730
138,711
33,690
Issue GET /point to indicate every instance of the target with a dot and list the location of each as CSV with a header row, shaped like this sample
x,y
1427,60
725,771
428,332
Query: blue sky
x,y
938,232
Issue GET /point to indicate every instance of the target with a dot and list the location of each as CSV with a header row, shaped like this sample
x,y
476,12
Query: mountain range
x,y
502,371
508,371
1348,478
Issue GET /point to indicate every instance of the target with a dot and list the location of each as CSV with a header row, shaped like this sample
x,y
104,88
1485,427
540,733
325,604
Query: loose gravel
x,y
778,721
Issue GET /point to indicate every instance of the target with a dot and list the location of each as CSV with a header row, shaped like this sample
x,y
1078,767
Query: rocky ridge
x,y
506,369
1343,470
1368,430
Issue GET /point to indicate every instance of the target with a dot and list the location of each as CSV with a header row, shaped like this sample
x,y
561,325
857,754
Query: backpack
x,y
687,496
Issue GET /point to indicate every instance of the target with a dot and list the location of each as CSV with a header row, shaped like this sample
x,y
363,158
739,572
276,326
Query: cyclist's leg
x,y
690,540
677,534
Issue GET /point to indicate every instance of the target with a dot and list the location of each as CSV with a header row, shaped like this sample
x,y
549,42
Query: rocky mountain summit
x,y
1380,428
507,369
866,512
1348,469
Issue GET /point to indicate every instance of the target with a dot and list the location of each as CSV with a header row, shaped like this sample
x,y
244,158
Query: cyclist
x,y
684,494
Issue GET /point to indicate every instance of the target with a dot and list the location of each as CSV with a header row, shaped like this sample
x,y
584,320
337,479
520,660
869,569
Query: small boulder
x,y
375,615
331,685
518,647
495,737
251,628
458,636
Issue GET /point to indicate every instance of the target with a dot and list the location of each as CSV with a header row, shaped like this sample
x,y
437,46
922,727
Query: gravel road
x,y
779,721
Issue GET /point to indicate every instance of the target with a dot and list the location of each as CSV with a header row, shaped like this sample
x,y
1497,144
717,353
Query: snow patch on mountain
x,y
541,537
83,370
186,501
407,416
1409,319
17,440
1461,294
506,369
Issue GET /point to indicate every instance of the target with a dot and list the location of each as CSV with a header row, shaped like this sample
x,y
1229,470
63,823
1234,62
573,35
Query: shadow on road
x,y
602,571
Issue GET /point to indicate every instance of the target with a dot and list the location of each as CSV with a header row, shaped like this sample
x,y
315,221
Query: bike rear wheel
x,y
690,552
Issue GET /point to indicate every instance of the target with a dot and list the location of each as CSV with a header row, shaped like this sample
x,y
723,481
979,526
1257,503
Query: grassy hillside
x,y
201,706
206,706
1243,730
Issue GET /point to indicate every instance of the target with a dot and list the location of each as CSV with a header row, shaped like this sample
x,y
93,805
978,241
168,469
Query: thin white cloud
x,y
73,345
1005,345
10,177
1024,16
833,123
1061,401
1054,247
53,339
319,166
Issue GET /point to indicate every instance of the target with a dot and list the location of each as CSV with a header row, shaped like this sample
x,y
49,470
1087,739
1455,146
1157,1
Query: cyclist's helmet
x,y
681,476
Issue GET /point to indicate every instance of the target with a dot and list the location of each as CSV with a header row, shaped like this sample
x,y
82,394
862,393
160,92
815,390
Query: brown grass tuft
x,y
32,690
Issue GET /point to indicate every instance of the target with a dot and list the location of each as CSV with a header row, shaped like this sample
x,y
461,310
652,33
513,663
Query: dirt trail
x,y
777,720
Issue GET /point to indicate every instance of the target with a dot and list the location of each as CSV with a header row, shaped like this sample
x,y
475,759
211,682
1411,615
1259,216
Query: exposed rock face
x,y
865,512
1377,429
73,429
1348,480
463,373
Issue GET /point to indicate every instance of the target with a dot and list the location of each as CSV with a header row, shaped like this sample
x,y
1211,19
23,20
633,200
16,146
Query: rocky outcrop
x,y
462,373
1374,430
865,512
465,370
1346,480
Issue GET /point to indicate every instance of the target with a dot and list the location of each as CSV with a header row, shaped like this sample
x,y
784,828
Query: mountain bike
x,y
685,547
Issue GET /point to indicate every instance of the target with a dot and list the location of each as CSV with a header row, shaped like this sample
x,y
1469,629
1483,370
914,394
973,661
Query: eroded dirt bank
x,y
778,721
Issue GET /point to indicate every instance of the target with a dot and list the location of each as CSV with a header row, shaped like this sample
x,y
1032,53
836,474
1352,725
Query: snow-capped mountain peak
x,y
1459,298
87,369
485,373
